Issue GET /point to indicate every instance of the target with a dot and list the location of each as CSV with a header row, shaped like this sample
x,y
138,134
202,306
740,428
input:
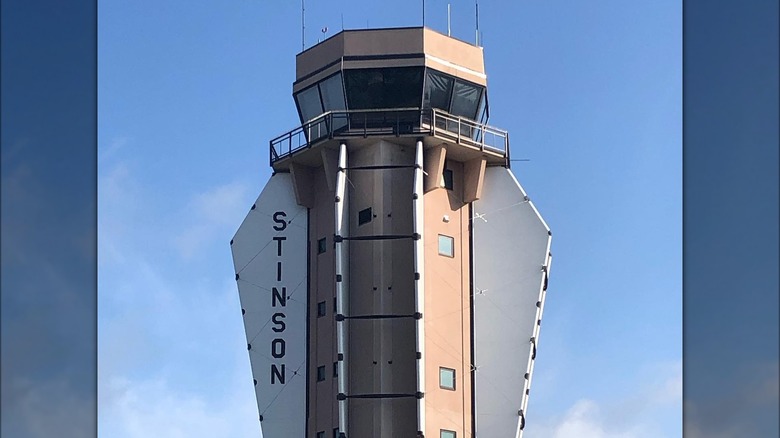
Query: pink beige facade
x,y
392,273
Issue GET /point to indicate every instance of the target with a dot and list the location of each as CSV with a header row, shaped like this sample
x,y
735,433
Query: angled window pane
x,y
332,91
309,103
465,99
438,89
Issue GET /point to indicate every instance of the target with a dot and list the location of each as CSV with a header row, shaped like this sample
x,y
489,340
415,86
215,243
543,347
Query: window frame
x,y
452,246
454,381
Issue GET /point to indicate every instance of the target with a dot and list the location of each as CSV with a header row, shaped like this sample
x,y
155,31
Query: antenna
x,y
423,12
449,27
476,36
303,25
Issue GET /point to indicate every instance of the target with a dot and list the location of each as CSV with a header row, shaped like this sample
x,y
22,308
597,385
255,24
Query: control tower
x,y
392,273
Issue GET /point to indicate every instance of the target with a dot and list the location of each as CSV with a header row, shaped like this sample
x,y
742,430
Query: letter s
x,y
278,319
282,223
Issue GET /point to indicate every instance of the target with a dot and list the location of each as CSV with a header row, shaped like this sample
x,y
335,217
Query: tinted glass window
x,y
465,100
321,373
438,89
309,103
364,216
377,88
447,179
332,91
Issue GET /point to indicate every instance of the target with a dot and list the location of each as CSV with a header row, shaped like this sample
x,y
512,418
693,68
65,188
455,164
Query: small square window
x,y
335,369
322,245
447,179
321,373
447,434
446,246
365,216
321,434
446,378
336,433
335,305
321,309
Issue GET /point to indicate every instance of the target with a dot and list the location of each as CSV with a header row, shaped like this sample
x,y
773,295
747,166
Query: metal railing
x,y
389,122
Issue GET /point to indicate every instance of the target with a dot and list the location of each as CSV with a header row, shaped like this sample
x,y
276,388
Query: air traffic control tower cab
x,y
392,273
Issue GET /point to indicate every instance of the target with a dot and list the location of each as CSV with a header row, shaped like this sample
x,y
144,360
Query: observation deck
x,y
407,84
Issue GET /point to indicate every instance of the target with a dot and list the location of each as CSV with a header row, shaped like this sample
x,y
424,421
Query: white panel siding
x,y
275,330
511,245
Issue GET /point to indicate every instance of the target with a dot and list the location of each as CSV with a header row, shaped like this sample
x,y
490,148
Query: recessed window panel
x,y
447,378
321,309
378,88
321,373
309,103
447,434
465,99
321,245
446,246
365,216
447,179
335,369
438,90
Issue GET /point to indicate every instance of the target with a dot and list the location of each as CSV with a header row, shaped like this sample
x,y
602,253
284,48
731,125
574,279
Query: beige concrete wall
x,y
447,309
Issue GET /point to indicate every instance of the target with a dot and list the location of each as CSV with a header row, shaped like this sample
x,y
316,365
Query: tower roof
x,y
385,48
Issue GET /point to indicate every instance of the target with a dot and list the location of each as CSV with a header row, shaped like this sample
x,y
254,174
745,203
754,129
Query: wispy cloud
x,y
146,408
165,368
636,415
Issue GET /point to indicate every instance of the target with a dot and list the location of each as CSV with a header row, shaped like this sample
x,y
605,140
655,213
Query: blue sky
x,y
191,92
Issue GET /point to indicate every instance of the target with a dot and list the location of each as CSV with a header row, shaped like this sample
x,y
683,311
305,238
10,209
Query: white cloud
x,y
172,351
637,415
152,408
